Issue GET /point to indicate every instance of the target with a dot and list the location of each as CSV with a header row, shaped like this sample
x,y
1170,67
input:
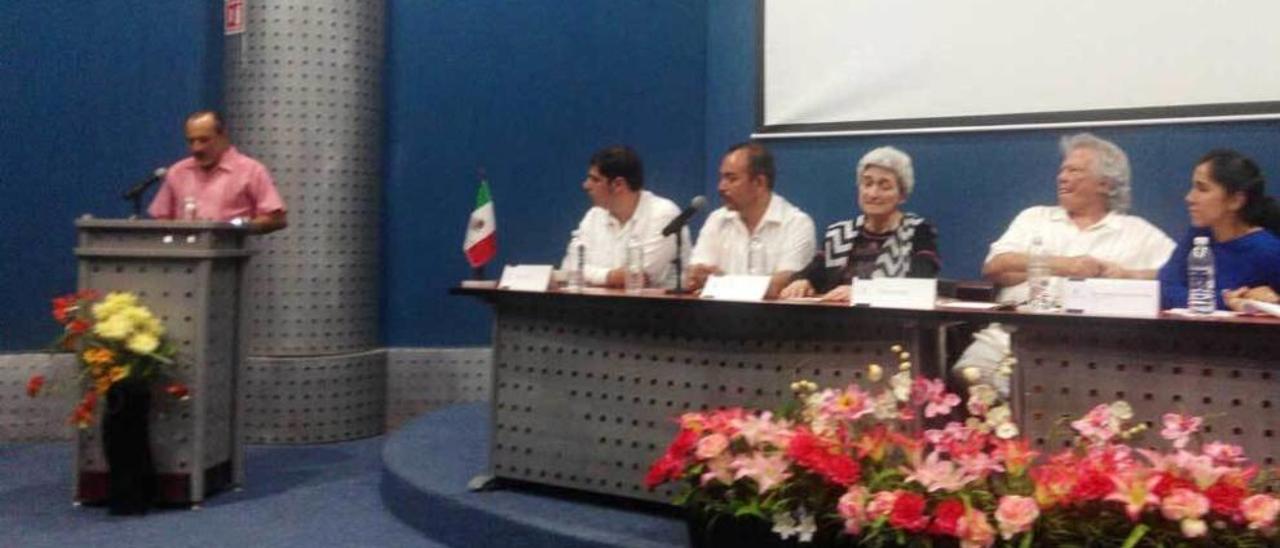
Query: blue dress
x,y
1251,260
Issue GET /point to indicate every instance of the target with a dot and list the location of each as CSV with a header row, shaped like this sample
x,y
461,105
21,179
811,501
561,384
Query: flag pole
x,y
477,272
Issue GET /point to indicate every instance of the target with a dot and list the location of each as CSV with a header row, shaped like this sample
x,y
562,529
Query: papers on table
x,y
910,293
526,277
735,288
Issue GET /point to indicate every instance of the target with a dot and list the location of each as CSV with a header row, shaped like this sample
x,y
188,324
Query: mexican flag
x,y
482,238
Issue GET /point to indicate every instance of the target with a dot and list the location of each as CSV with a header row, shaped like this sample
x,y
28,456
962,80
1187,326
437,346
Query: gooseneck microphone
x,y
683,218
141,186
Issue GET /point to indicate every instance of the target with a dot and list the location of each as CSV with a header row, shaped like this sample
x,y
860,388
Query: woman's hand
x,y
1235,298
797,290
838,295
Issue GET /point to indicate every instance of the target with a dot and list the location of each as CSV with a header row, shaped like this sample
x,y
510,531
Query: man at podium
x,y
217,182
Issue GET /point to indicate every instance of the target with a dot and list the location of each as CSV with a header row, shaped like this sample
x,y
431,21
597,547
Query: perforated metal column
x,y
316,398
422,379
304,96
1226,373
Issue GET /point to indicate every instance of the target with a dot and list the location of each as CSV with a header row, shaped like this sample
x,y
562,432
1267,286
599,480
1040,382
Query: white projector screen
x,y
881,66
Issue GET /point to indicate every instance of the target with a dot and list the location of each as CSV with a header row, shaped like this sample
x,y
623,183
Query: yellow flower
x,y
114,328
98,357
143,343
113,303
139,316
151,326
118,373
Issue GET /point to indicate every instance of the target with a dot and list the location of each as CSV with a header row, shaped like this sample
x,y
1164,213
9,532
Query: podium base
x,y
171,489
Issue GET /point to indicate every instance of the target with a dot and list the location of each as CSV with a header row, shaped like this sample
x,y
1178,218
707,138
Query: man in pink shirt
x,y
218,182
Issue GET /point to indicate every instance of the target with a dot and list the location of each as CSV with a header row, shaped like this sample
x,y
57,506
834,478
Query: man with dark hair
x,y
622,210
783,234
217,182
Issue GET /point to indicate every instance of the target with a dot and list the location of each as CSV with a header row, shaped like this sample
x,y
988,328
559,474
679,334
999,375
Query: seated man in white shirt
x,y
622,209
1087,235
752,211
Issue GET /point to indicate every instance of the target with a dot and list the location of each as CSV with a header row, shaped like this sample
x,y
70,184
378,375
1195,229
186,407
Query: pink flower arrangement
x,y
897,463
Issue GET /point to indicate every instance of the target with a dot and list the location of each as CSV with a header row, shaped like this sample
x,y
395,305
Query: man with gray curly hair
x,y
1087,235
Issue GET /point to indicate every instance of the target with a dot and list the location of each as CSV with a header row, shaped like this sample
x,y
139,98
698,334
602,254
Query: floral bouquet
x,y
895,466
114,339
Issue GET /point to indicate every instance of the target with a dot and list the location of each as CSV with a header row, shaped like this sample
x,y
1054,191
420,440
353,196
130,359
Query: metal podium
x,y
190,274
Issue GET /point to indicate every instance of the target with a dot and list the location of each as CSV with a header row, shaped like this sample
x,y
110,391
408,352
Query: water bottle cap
x,y
1201,240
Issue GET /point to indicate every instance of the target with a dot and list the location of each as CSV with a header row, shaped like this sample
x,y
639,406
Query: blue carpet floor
x,y
319,495
407,489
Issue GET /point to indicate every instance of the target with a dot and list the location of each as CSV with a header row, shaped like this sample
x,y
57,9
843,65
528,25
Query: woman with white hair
x,y
883,241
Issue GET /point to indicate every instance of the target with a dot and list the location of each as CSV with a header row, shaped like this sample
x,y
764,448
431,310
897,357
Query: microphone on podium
x,y
137,189
683,218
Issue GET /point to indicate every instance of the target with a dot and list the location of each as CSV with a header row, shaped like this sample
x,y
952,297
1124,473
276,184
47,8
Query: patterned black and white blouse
x,y
850,251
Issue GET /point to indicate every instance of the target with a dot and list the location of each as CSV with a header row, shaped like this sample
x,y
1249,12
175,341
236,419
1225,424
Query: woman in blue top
x,y
1228,203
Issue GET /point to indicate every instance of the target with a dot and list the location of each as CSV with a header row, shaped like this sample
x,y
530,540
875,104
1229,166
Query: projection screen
x,y
888,66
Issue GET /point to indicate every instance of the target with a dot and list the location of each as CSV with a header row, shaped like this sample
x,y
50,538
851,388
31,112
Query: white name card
x,y
1106,297
735,288
526,277
909,293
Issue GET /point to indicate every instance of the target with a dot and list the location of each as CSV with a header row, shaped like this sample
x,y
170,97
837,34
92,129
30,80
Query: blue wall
x,y
92,98
92,95
528,90
970,184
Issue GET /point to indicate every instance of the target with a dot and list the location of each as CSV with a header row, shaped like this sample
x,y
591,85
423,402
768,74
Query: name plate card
x,y
909,293
735,288
526,277
1106,297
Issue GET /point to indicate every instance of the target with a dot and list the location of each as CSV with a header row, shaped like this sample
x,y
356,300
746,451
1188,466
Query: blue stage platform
x,y
428,462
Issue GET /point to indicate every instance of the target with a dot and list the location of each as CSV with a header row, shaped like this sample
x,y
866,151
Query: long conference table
x,y
587,386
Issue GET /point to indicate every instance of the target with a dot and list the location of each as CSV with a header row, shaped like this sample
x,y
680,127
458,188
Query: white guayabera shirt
x,y
1126,240
786,232
605,239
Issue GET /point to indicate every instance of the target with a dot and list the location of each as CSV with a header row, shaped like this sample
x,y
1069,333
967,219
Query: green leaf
x,y
1135,535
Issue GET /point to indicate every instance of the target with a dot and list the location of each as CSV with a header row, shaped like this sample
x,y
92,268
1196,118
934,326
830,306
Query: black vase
x,y
717,530
126,442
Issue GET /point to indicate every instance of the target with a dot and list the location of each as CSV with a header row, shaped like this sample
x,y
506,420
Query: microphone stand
x,y
137,206
679,289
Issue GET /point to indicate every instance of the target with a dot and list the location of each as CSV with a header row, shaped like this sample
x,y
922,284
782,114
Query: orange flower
x,y
34,385
117,373
98,357
101,384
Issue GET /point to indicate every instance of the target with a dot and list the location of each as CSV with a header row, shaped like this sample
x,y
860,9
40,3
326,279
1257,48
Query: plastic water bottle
x,y
1200,277
1039,277
635,265
189,208
756,258
577,264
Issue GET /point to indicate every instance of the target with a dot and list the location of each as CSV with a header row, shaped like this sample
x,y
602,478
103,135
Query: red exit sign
x,y
233,17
